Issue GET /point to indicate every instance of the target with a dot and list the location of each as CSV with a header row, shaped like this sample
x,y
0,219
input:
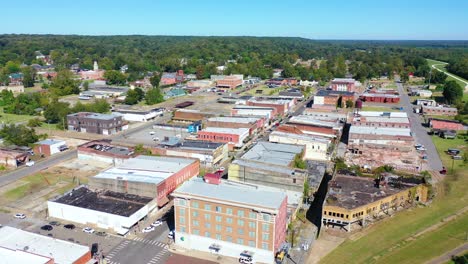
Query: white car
x,y
30,163
157,223
20,216
171,234
148,229
88,230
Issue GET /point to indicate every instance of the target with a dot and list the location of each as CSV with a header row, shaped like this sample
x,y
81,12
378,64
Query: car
x,y
88,230
20,216
171,234
30,163
418,145
421,149
101,233
148,229
152,133
46,227
54,223
157,223
63,147
69,226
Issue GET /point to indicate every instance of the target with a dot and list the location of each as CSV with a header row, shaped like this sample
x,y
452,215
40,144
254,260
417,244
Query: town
x,y
239,158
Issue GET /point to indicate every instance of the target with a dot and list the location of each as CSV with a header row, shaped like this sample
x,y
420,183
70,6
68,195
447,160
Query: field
x,y
11,118
264,90
419,234
379,109
463,83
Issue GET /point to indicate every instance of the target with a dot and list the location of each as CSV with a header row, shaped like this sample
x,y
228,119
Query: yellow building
x,y
357,200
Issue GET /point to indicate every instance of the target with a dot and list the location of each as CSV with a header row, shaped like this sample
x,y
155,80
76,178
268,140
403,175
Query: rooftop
x,y
301,137
383,114
199,144
381,119
236,131
314,121
380,95
50,142
146,169
324,92
104,201
138,112
389,131
234,119
94,115
351,192
273,153
252,107
344,80
104,146
61,251
439,107
14,256
232,192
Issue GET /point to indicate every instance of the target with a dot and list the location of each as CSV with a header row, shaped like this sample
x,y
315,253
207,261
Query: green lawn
x,y
11,118
265,90
379,109
391,240
442,68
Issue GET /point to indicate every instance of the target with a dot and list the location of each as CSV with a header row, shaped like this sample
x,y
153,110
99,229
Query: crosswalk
x,y
151,242
156,259
115,250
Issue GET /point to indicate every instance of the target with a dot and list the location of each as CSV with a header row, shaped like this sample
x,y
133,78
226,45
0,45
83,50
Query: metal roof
x,y
273,153
236,131
14,256
50,142
61,251
232,192
389,131
232,119
304,137
386,114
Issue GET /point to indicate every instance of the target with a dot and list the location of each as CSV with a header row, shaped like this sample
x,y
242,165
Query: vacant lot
x,y
416,235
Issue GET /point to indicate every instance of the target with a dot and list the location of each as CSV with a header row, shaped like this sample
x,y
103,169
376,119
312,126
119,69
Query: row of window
x,y
240,223
229,211
216,137
228,238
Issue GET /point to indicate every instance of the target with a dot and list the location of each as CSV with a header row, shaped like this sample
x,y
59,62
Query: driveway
x,y
419,132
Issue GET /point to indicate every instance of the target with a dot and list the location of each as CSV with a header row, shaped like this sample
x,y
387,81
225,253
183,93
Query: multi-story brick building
x,y
380,98
169,78
230,218
343,84
316,148
380,121
190,115
441,124
439,110
234,137
229,82
104,124
281,106
252,123
328,97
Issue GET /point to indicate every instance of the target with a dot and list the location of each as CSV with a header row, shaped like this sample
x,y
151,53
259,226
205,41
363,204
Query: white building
x,y
139,115
49,146
315,147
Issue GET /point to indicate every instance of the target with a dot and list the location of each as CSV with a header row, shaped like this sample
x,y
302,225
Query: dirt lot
x,y
205,102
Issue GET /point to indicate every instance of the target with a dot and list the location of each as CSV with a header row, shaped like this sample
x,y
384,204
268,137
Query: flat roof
x,y
351,191
251,107
95,115
273,153
389,131
343,80
61,251
383,119
383,114
265,166
104,201
233,119
324,92
146,169
106,147
305,137
232,192
440,107
50,142
14,256
200,144
380,95
315,121
236,131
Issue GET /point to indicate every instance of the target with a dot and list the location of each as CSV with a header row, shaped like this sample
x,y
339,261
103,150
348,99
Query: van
x,y
457,157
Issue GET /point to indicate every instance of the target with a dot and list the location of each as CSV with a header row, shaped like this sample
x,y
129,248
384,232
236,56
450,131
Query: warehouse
x,y
49,147
103,150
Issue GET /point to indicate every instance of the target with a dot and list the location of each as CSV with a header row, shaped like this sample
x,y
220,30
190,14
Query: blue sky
x,y
316,19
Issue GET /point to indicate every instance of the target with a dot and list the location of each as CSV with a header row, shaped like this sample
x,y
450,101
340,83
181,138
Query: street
x,y
419,132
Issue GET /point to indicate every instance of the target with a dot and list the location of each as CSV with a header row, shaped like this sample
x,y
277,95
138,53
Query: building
x,y
355,200
270,164
139,115
252,123
104,124
426,102
379,98
439,110
343,84
262,111
170,78
175,92
274,82
103,150
325,115
116,212
282,106
308,122
442,124
385,120
332,98
234,137
316,148
230,219
95,74
209,153
229,82
12,157
202,84
18,246
148,176
292,93
49,147
189,115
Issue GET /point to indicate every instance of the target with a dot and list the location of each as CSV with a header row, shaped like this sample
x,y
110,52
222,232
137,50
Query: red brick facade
x,y
445,125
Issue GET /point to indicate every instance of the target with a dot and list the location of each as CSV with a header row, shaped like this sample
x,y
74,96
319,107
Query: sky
x,y
314,19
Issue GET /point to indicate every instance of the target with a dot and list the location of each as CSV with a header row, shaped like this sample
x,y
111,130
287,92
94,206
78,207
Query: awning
x,y
246,253
215,247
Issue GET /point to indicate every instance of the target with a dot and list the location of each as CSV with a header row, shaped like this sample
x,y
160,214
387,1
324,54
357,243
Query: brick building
x,y
439,110
170,78
442,124
230,219
380,121
379,98
234,137
316,147
49,147
189,115
330,97
261,111
281,82
252,123
281,106
343,84
229,82
103,150
13,157
104,124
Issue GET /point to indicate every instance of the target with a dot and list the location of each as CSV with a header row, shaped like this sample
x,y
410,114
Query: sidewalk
x,y
202,255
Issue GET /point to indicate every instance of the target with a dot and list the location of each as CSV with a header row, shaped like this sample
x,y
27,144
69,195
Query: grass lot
x,y
11,118
393,240
265,90
442,68
379,108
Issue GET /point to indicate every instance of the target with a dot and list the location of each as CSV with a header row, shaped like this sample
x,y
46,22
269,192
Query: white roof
x,y
14,256
232,119
147,169
387,114
343,80
312,120
50,142
390,131
380,119
63,252
304,137
272,153
236,131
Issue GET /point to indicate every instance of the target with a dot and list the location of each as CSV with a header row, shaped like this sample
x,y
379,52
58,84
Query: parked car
x,y
88,230
47,227
69,226
63,147
101,233
20,216
30,163
54,223
157,223
171,234
148,229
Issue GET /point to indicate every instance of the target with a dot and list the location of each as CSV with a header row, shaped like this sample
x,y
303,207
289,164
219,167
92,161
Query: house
x,y
49,147
343,84
439,110
230,219
234,137
16,78
104,124
442,124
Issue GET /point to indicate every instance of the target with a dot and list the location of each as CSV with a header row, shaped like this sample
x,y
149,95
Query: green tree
x,y
134,96
64,84
299,162
452,92
35,122
115,77
11,67
56,112
19,135
349,103
29,74
154,96
86,85
200,72
155,80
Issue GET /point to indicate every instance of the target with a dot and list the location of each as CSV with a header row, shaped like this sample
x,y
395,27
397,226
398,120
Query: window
x,y
229,220
240,222
195,204
266,236
195,223
265,245
207,234
218,227
182,211
218,209
251,234
207,225
196,232
195,213
182,202
240,231
252,215
218,236
266,217
229,238
207,207
182,220
240,241
207,217
240,213
218,218
266,227
182,229
294,180
251,243
251,224
229,211
228,229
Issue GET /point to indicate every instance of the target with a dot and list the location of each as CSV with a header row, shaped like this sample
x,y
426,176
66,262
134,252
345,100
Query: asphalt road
x,y
17,174
419,132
